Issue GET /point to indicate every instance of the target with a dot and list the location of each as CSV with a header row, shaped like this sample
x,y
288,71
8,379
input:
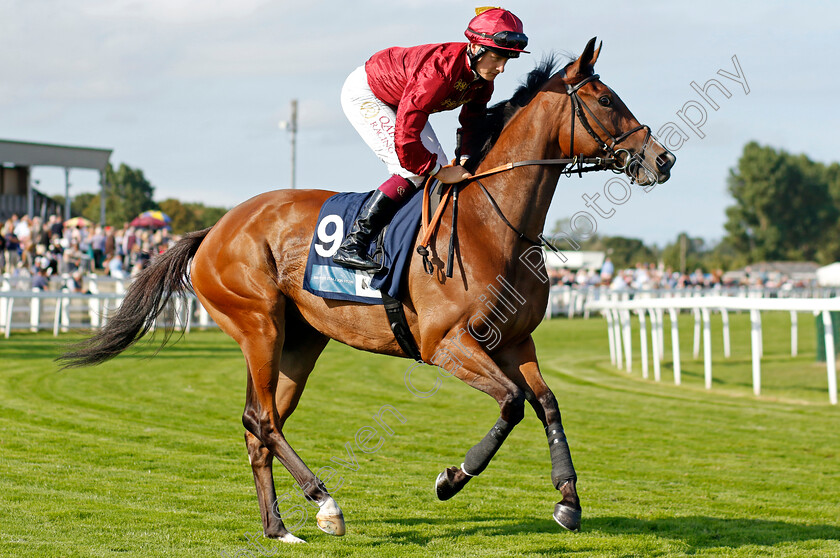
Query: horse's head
x,y
603,126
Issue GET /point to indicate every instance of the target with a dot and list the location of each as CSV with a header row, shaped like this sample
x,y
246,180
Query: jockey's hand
x,y
452,175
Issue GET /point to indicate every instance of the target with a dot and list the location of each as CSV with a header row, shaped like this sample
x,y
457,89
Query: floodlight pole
x,y
291,126
293,132
103,185
66,193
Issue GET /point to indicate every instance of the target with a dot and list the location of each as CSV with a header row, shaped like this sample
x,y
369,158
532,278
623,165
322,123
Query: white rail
x,y
617,313
75,310
574,300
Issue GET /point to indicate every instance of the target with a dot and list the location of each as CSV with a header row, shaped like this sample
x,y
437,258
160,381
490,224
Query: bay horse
x,y
247,271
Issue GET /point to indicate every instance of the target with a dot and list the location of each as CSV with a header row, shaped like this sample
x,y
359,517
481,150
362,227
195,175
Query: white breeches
x,y
375,122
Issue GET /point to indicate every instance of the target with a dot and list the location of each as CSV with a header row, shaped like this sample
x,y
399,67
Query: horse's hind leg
x,y
260,459
279,361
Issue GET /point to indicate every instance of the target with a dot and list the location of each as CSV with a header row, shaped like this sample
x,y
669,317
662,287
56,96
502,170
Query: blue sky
x,y
191,91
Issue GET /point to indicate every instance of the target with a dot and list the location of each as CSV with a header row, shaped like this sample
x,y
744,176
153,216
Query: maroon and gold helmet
x,y
498,30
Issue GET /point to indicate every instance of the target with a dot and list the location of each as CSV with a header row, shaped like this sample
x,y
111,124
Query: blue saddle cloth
x,y
329,280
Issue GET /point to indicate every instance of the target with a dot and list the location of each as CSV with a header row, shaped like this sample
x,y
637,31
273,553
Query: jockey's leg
x,y
377,212
375,121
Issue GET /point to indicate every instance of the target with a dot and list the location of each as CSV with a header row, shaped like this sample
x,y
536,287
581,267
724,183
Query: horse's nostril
x,y
665,161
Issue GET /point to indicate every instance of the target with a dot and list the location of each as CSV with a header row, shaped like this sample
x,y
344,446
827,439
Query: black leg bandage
x,y
562,469
480,454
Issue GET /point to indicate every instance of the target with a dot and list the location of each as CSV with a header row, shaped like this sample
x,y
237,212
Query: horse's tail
x,y
144,300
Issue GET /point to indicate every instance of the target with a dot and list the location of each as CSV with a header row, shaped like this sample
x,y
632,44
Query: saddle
x,y
392,248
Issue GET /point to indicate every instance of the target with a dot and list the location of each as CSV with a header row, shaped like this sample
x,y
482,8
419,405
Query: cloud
x,y
172,11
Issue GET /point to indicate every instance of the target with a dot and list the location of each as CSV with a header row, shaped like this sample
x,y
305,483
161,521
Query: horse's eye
x,y
605,101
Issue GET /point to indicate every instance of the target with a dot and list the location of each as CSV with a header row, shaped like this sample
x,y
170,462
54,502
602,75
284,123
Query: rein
x,y
429,225
598,163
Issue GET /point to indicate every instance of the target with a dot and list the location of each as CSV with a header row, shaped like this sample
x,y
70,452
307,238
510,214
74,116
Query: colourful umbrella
x,y
78,222
156,214
154,219
148,223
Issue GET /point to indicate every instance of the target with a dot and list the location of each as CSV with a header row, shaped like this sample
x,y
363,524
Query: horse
x,y
247,271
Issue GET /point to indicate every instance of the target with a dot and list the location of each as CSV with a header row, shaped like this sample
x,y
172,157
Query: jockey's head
x,y
495,35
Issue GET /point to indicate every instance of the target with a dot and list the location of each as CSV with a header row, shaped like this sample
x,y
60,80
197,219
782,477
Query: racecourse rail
x,y
619,330
61,311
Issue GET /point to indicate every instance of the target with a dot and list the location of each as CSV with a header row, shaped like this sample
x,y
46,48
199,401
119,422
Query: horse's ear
x,y
596,53
583,65
590,54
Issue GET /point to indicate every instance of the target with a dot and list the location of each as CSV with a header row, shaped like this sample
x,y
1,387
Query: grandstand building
x,y
17,192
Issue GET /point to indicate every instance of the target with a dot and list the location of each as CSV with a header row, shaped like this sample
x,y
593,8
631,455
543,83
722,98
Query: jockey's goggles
x,y
505,39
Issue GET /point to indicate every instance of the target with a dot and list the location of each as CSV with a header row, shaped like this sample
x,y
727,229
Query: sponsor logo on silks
x,y
335,279
461,85
369,109
449,104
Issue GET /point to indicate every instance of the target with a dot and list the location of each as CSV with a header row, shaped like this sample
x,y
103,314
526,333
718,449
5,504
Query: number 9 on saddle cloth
x,y
393,249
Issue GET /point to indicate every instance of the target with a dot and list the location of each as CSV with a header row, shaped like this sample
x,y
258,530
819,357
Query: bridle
x,y
620,161
621,157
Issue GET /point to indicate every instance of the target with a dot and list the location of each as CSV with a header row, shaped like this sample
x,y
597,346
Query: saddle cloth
x,y
393,248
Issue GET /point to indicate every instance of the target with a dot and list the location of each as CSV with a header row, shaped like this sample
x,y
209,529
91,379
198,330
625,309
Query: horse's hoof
x,y
331,524
287,538
329,518
567,517
445,485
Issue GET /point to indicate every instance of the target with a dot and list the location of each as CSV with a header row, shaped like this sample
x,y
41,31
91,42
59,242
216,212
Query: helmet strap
x,y
473,58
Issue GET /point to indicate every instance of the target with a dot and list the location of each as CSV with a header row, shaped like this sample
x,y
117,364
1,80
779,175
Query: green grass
x,y
145,457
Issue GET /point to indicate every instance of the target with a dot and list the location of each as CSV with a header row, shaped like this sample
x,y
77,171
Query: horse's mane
x,y
500,114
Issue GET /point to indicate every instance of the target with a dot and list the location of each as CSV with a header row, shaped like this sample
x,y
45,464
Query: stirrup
x,y
354,260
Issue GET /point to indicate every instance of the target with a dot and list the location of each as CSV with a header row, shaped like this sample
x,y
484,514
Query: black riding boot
x,y
375,214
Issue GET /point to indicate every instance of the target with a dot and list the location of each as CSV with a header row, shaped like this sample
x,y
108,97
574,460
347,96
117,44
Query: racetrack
x,y
145,457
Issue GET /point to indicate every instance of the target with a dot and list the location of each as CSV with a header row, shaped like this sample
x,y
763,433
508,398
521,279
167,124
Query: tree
x,y
623,251
206,216
182,217
85,205
685,254
128,194
188,217
829,250
783,206
627,252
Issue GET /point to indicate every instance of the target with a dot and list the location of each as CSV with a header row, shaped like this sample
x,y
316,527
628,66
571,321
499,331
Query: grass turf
x,y
145,457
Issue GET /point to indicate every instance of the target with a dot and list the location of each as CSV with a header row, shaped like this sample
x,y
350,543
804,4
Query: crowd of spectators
x,y
32,248
41,250
648,276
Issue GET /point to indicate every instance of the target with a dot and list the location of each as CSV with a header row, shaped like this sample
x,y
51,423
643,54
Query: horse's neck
x,y
524,194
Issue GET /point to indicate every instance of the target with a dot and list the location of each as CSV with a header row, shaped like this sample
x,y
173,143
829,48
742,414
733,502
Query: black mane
x,y
500,114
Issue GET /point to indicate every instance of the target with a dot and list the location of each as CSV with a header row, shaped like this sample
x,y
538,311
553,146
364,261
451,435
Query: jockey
x,y
390,98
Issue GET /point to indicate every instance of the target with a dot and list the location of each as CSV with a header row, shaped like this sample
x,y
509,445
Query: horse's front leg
x,y
521,363
481,372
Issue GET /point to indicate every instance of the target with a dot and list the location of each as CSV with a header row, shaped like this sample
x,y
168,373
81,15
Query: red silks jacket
x,y
420,80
